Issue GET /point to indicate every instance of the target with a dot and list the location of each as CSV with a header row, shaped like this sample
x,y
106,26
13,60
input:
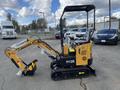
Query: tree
x,y
23,30
33,25
16,26
84,25
73,26
9,17
41,23
58,27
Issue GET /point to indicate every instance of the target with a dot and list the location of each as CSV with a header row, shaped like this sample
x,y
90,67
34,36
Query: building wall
x,y
102,25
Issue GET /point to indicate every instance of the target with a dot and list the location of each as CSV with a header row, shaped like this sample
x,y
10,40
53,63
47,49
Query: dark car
x,y
58,35
108,36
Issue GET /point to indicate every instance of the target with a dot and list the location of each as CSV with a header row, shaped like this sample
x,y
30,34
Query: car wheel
x,y
95,42
116,43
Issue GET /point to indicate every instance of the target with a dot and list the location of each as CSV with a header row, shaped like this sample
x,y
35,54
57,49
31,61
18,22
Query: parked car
x,y
70,33
81,32
106,36
58,35
75,33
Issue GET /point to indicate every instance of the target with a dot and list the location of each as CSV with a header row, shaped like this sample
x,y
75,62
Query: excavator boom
x,y
11,52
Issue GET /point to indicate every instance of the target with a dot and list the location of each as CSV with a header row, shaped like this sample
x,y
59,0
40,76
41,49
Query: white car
x,y
75,33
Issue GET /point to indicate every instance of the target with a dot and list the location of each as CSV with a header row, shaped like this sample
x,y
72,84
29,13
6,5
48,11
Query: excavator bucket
x,y
30,68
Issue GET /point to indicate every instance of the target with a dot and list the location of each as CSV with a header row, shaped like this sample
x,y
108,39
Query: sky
x,y
24,11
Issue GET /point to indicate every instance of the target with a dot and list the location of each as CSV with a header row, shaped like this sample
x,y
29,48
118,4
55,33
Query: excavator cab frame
x,y
76,8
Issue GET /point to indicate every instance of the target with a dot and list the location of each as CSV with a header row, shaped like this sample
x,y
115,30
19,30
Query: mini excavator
x,y
73,62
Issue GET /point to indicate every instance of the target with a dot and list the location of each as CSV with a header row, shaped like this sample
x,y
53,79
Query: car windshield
x,y
107,31
8,27
82,30
64,30
74,30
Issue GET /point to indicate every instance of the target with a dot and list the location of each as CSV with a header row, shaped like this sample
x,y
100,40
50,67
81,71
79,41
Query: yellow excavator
x,y
75,59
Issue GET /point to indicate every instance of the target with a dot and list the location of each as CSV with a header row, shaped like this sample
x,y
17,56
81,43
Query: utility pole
x,y
109,14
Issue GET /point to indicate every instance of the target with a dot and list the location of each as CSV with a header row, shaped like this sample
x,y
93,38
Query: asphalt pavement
x,y
106,62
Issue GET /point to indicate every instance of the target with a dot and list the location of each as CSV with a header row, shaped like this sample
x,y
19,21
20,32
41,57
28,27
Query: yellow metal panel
x,y
90,50
66,49
30,68
83,54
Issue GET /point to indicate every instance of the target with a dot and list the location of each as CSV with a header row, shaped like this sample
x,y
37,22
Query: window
x,y
107,31
8,27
